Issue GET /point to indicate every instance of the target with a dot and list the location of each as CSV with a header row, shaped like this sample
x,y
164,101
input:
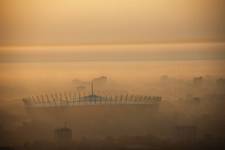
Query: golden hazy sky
x,y
110,21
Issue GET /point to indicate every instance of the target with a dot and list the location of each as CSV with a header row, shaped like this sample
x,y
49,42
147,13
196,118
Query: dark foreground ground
x,y
124,143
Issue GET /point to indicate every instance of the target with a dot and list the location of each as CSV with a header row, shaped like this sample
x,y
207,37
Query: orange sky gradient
x,y
72,22
71,30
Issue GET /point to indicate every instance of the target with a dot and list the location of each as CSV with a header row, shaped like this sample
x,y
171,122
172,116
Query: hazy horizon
x,y
115,52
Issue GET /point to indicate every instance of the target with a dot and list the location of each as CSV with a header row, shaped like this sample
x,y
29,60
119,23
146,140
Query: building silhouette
x,y
63,135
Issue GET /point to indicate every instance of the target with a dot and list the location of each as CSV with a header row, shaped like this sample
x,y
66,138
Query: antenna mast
x,y
92,88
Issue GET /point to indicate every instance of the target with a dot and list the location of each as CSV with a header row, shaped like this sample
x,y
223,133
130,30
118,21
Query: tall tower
x,y
92,88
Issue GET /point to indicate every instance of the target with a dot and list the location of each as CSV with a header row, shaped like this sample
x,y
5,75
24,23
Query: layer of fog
x,y
196,101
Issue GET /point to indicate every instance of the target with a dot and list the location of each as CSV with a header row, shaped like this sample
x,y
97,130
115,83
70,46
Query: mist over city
x,y
112,75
